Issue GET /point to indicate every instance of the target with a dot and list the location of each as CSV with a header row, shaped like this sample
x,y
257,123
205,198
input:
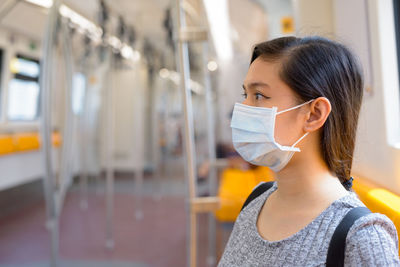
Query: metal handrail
x,y
45,85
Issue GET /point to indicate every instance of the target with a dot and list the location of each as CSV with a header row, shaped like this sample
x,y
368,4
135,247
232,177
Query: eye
x,y
259,96
244,95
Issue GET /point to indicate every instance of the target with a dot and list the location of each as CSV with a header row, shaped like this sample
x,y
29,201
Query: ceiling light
x,y
91,29
126,51
136,55
164,73
218,19
114,42
212,65
94,31
42,3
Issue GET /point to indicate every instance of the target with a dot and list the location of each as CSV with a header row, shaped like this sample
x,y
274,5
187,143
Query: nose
x,y
248,102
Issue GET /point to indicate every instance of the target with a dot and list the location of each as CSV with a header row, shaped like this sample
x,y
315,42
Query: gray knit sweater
x,y
371,241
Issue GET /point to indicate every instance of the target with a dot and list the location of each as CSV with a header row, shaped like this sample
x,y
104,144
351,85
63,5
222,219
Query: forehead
x,y
263,71
267,72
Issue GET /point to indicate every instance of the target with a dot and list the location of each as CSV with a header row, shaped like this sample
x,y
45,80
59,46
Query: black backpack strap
x,y
257,192
337,245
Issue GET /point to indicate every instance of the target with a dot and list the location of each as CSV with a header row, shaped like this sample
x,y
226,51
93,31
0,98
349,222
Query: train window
x,y
396,9
78,93
23,89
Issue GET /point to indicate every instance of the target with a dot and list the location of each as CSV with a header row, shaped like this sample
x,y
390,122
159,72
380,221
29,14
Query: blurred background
x,y
115,138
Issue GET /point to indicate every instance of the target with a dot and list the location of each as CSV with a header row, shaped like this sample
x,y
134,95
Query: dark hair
x,y
318,67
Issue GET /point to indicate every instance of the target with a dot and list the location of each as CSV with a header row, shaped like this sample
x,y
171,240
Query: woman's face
x,y
264,88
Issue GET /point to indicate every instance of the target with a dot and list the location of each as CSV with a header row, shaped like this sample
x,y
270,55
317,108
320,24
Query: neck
x,y
306,179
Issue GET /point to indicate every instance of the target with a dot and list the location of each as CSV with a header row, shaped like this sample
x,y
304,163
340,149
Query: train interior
x,y
115,139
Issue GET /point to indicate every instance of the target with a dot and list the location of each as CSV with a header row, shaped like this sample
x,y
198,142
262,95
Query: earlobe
x,y
319,111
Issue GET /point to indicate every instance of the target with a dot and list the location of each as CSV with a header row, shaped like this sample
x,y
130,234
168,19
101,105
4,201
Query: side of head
x,y
315,67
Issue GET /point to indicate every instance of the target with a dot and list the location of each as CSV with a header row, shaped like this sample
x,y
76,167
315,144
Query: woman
x,y
303,95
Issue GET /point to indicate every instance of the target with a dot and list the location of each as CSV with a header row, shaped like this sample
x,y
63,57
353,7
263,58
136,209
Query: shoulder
x,y
254,202
259,193
372,241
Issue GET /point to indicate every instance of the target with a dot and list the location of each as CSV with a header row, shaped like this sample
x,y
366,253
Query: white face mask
x,y
253,136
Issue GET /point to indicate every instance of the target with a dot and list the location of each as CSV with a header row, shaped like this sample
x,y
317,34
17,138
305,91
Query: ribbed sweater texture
x,y
371,241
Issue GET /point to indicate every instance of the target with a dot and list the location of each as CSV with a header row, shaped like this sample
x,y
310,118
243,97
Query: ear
x,y
319,111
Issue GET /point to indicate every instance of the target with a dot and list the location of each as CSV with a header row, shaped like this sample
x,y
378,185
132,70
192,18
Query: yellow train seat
x,y
22,142
235,186
27,141
7,145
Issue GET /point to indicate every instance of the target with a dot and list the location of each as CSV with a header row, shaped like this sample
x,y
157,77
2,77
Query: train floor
x,y
159,238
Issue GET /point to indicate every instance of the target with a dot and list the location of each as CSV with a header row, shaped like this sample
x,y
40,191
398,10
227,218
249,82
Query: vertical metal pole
x,y
45,85
212,178
139,192
162,159
83,177
110,153
138,173
189,133
66,156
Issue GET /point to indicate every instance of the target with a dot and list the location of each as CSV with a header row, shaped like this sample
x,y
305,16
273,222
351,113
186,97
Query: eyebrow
x,y
255,84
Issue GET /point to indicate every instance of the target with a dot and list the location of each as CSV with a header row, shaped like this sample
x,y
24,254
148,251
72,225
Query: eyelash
x,y
257,96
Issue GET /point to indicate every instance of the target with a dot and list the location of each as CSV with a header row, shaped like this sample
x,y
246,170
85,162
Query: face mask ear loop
x,y
301,138
295,107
